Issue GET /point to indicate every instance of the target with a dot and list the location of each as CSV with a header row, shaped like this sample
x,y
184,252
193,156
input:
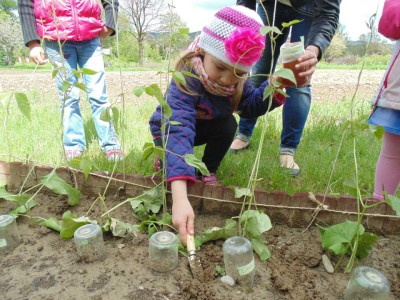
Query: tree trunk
x,y
140,45
10,57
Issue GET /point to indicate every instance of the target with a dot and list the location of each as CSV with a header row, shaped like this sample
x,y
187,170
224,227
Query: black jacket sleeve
x,y
28,21
247,3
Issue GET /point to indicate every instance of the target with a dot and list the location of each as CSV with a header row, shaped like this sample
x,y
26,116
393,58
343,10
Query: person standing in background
x,y
319,20
72,33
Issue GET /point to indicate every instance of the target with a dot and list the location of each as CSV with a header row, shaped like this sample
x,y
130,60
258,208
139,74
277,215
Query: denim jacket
x,y
325,14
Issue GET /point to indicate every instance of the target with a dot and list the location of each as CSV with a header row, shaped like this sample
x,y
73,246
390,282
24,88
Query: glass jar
x,y
9,236
290,53
368,284
163,251
239,260
89,242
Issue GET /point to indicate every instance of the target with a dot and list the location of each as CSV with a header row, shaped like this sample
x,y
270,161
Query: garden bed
x,y
45,266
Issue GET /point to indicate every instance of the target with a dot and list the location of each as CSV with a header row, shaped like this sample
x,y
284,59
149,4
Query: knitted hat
x,y
233,36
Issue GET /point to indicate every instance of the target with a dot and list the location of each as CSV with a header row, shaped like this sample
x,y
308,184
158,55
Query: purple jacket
x,y
189,109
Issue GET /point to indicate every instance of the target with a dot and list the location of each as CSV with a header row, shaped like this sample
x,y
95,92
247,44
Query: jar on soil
x,y
163,251
9,235
290,53
239,260
89,242
367,283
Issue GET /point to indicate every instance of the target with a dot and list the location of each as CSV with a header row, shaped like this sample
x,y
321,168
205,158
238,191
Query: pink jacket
x,y
71,20
388,93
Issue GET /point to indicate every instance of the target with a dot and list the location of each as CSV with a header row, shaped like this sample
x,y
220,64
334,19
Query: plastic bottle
x,y
239,260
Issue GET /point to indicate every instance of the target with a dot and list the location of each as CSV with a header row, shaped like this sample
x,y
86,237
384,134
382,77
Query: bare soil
x,y
46,266
328,85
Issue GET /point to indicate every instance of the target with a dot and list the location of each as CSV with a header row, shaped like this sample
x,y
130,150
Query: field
x,y
45,266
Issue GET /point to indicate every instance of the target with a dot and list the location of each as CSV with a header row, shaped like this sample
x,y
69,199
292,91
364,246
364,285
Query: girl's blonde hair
x,y
184,60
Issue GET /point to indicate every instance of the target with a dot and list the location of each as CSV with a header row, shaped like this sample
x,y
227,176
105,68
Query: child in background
x,y
221,57
76,26
386,111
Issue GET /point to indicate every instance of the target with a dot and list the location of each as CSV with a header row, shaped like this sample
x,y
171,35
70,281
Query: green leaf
x,y
286,74
190,74
268,91
285,24
264,30
394,202
76,73
51,223
337,238
59,186
23,104
138,91
65,86
155,91
54,73
365,243
377,131
216,233
220,270
88,71
115,116
71,222
23,209
351,187
87,165
261,248
19,199
122,229
179,78
175,123
256,223
106,115
183,30
193,161
81,86
152,200
148,149
240,192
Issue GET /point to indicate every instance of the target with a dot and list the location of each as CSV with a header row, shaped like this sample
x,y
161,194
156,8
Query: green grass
x,y
39,140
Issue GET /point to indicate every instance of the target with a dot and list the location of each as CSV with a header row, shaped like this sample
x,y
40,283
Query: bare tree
x,y
10,36
144,17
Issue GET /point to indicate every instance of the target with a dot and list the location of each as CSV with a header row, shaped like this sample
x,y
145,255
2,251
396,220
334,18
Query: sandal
x,y
239,145
287,162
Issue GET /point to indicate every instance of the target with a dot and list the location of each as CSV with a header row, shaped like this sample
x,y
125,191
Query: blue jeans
x,y
85,54
297,105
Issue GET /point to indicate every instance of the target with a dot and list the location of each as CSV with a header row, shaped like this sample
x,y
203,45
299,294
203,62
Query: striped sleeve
x,y
28,21
111,13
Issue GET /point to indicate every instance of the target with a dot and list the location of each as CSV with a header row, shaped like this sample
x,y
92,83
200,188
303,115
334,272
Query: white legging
x,y
387,175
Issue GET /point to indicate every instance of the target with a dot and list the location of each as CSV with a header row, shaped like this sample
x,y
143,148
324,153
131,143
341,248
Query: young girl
x,y
221,58
386,104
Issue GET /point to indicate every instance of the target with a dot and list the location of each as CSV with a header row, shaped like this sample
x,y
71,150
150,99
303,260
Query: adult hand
x,y
182,211
308,62
106,32
37,54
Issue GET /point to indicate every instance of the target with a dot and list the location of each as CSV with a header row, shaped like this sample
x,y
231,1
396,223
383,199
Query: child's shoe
x,y
71,154
115,155
210,179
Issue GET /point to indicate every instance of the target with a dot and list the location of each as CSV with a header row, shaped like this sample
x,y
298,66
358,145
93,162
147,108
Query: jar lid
x,y
163,238
6,220
87,231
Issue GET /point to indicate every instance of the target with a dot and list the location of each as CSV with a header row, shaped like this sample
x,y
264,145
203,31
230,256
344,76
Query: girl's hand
x,y
308,62
106,32
36,53
182,211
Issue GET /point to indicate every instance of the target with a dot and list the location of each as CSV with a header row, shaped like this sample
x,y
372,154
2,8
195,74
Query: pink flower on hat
x,y
244,46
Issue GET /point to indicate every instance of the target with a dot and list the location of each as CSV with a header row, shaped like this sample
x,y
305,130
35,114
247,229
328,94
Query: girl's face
x,y
220,72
